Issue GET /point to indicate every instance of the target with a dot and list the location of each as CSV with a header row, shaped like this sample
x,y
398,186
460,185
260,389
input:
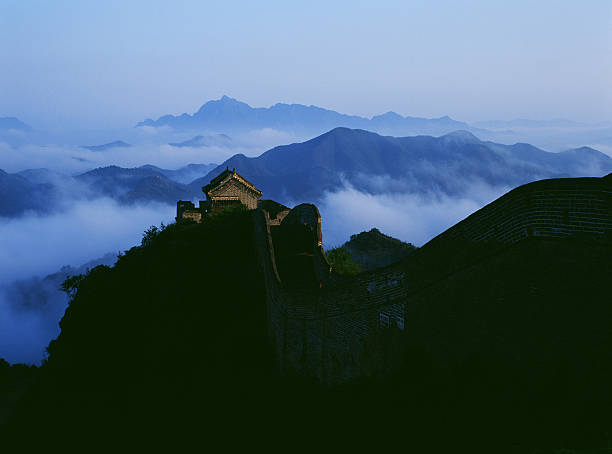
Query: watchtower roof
x,y
225,177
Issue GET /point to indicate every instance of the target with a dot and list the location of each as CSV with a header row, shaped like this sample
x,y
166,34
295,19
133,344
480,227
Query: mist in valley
x,y
81,212
33,247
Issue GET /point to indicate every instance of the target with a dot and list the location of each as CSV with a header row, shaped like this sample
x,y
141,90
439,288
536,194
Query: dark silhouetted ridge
x,y
447,165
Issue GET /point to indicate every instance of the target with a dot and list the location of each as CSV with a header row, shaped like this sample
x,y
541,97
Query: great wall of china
x,y
322,325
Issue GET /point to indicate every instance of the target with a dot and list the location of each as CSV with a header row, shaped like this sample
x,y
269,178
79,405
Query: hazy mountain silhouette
x,y
228,114
43,190
17,195
12,123
42,176
373,163
107,146
198,141
185,174
527,123
135,184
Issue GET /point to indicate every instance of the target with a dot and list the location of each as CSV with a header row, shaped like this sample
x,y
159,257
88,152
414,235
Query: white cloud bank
x,y
411,218
145,149
34,245
38,245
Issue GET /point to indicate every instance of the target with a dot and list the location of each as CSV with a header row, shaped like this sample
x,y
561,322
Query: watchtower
x,y
229,189
225,190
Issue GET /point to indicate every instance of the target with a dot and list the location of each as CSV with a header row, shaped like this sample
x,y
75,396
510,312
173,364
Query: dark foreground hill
x,y
173,327
508,347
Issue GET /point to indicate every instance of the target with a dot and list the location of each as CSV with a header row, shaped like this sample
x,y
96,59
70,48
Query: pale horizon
x,y
72,65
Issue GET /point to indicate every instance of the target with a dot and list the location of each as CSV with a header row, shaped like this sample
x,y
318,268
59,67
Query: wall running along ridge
x,y
330,327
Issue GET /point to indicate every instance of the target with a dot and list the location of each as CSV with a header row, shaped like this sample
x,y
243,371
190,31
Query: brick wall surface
x,y
548,208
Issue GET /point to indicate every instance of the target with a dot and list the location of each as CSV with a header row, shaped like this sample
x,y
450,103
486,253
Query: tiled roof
x,y
226,176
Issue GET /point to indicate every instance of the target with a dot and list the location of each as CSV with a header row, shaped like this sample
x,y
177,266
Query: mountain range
x,y
448,165
210,124
228,114
426,165
44,191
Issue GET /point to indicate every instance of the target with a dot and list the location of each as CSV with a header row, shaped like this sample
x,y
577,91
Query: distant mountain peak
x,y
224,103
227,114
388,116
461,136
229,100
343,131
340,130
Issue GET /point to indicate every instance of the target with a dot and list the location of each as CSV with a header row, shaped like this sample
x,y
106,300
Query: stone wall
x,y
185,209
547,208
193,215
183,206
328,331
335,329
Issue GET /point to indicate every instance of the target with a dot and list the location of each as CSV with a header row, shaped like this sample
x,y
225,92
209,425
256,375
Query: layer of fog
x,y
76,160
32,247
146,149
412,218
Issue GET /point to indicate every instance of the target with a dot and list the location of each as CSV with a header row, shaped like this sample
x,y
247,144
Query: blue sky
x,y
72,64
